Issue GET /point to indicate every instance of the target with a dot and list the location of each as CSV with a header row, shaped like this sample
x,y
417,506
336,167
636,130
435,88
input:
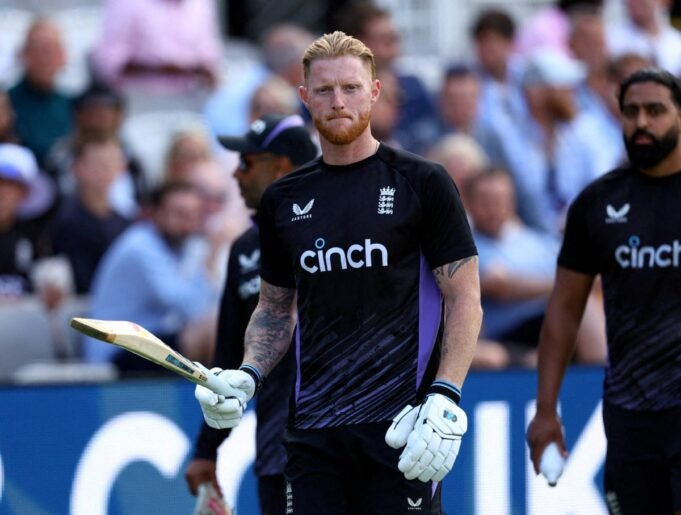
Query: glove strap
x,y
449,390
255,374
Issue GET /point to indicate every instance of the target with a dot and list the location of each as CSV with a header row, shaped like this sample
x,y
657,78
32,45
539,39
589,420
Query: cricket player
x,y
626,227
372,247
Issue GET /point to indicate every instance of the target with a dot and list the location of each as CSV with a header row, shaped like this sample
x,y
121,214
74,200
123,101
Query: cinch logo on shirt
x,y
355,256
635,255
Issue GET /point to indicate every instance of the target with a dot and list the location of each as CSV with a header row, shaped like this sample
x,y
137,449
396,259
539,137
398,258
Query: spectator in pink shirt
x,y
168,46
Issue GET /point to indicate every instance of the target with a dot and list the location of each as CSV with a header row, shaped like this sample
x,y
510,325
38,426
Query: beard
x,y
342,135
649,155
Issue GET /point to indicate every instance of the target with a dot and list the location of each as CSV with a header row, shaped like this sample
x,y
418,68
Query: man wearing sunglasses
x,y
274,146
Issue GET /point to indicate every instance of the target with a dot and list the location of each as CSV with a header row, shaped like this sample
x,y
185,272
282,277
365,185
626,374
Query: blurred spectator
x,y
283,45
647,31
98,116
386,110
160,46
145,277
516,273
417,125
550,151
462,157
587,41
549,27
22,193
7,130
87,222
498,68
43,114
225,216
460,111
275,95
186,149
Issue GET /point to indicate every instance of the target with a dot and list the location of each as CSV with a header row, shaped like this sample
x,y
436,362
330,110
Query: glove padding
x,y
431,436
222,412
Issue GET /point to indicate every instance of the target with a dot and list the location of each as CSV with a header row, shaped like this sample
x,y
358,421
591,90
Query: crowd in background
x,y
89,227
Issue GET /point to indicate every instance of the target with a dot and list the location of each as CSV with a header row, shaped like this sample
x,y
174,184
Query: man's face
x,y
459,101
491,204
254,174
650,122
339,94
493,51
587,40
12,194
383,39
98,167
179,216
43,55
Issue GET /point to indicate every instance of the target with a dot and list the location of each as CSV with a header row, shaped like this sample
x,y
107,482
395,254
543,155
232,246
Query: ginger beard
x,y
342,135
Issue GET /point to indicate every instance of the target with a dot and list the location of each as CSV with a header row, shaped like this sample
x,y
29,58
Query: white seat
x,y
13,26
25,336
80,28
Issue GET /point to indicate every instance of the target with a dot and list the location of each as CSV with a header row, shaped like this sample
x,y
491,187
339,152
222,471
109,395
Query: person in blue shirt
x,y
145,277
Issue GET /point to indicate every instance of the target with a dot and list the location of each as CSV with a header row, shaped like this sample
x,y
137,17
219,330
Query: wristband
x,y
255,374
449,390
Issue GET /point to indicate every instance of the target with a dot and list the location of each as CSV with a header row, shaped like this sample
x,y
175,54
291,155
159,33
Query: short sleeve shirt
x,y
626,226
358,244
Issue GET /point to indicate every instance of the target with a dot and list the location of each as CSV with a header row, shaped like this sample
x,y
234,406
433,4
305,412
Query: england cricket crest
x,y
386,201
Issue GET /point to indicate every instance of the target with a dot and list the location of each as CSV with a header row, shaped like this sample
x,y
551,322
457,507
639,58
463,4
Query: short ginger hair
x,y
337,44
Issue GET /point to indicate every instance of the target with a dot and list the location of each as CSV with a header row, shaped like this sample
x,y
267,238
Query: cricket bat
x,y
136,339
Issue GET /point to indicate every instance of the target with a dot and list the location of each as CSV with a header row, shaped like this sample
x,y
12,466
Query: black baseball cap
x,y
279,134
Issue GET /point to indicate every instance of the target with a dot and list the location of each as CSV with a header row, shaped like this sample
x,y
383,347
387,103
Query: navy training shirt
x,y
626,226
358,243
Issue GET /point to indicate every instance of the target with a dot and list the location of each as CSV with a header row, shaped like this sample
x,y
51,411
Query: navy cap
x,y
284,135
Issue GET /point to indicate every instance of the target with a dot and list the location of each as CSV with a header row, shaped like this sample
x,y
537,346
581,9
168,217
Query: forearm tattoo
x,y
442,274
269,331
450,269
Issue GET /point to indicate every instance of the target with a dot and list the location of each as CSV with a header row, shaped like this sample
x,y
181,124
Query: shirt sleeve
x,y
446,234
577,253
276,265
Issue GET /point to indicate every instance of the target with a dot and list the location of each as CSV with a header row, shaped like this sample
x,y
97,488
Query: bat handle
x,y
218,386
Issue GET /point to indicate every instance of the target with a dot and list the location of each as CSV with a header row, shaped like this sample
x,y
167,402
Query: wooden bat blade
x,y
136,339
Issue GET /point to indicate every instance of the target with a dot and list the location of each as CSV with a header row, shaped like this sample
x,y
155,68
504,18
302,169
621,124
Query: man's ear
x,y
375,90
302,94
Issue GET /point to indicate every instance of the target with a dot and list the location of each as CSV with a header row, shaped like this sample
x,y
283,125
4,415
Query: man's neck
x,y
361,148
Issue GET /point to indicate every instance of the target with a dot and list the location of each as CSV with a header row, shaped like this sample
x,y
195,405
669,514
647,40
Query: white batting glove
x,y
222,412
432,445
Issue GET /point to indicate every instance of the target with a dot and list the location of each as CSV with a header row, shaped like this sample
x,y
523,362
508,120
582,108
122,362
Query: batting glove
x,y
222,412
432,443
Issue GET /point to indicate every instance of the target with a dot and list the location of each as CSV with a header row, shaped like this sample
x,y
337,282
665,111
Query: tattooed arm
x,y
269,331
460,286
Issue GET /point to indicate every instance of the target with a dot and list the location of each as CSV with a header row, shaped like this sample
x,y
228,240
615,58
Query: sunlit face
x,y
339,94
650,123
43,55
491,204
